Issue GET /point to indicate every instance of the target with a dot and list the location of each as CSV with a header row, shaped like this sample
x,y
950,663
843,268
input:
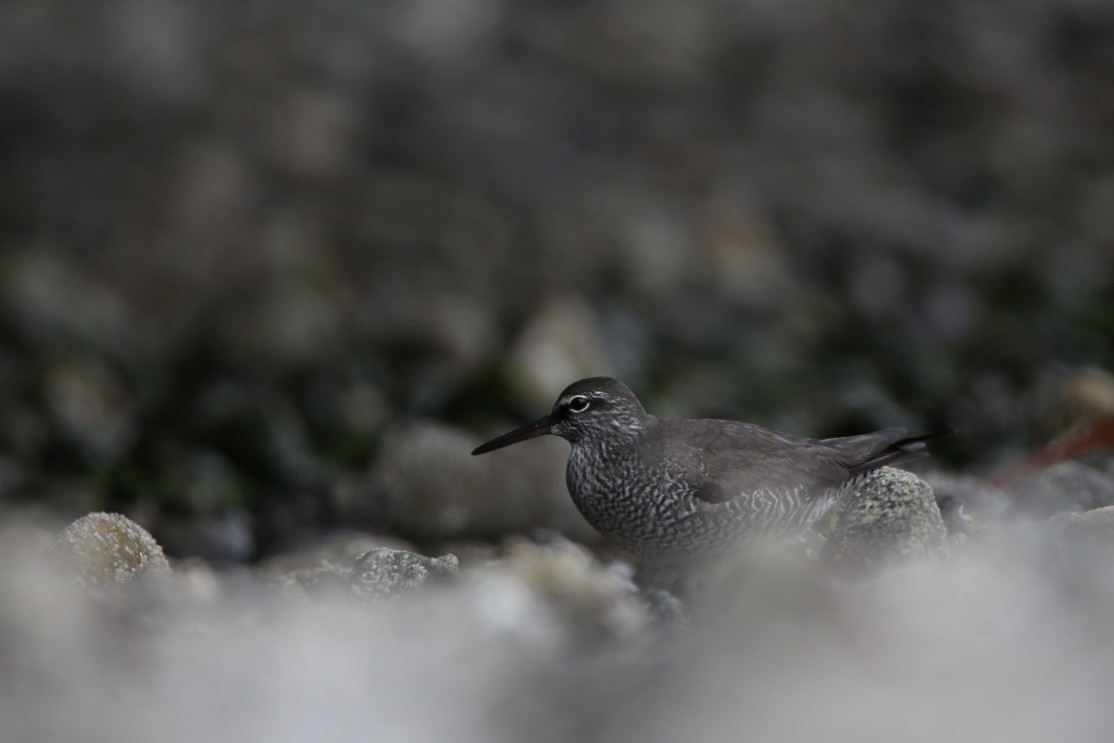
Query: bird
x,y
676,492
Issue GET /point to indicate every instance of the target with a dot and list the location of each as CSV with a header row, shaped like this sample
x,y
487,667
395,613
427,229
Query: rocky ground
x,y
892,629
269,272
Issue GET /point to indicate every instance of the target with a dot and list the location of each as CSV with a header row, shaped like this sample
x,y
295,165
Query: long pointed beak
x,y
540,427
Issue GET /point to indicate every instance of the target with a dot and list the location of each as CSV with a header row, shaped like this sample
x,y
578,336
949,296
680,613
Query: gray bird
x,y
676,491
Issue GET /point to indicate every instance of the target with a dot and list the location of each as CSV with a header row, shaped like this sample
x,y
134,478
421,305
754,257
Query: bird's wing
x,y
738,470
889,446
861,449
736,460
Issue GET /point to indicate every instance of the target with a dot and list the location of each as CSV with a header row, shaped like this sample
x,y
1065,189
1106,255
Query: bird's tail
x,y
897,451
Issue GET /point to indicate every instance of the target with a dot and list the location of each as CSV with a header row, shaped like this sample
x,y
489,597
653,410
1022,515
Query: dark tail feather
x,y
901,451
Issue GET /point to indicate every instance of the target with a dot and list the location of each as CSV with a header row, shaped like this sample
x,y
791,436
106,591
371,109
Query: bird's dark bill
x,y
540,427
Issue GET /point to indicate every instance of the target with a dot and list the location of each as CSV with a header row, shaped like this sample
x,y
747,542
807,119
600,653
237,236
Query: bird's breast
x,y
623,498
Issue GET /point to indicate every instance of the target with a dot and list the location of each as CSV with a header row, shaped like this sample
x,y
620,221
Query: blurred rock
x,y
561,343
91,406
890,517
435,344
107,550
743,257
384,574
1084,394
351,413
325,570
322,581
54,302
20,541
1068,486
471,553
196,580
425,485
968,504
201,499
656,242
313,137
202,481
224,538
256,424
560,595
666,610
447,33
1096,526
292,321
340,549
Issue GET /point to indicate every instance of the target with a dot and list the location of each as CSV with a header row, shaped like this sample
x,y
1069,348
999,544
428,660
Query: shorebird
x,y
674,491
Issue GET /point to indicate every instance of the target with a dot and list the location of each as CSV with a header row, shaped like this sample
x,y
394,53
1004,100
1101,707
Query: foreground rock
x,y
561,594
384,574
367,568
325,569
107,550
892,516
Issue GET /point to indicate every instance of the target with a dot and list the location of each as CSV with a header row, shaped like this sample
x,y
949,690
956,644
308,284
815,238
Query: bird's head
x,y
597,408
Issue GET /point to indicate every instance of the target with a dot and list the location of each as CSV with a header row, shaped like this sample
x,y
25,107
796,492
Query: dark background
x,y
243,243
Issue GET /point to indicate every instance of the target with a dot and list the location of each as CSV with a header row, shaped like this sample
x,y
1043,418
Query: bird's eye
x,y
578,404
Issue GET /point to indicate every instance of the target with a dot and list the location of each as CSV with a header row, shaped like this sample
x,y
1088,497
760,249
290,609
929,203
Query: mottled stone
x,y
384,574
339,566
108,550
892,515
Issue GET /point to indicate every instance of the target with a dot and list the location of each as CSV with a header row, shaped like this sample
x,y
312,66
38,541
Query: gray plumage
x,y
672,490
